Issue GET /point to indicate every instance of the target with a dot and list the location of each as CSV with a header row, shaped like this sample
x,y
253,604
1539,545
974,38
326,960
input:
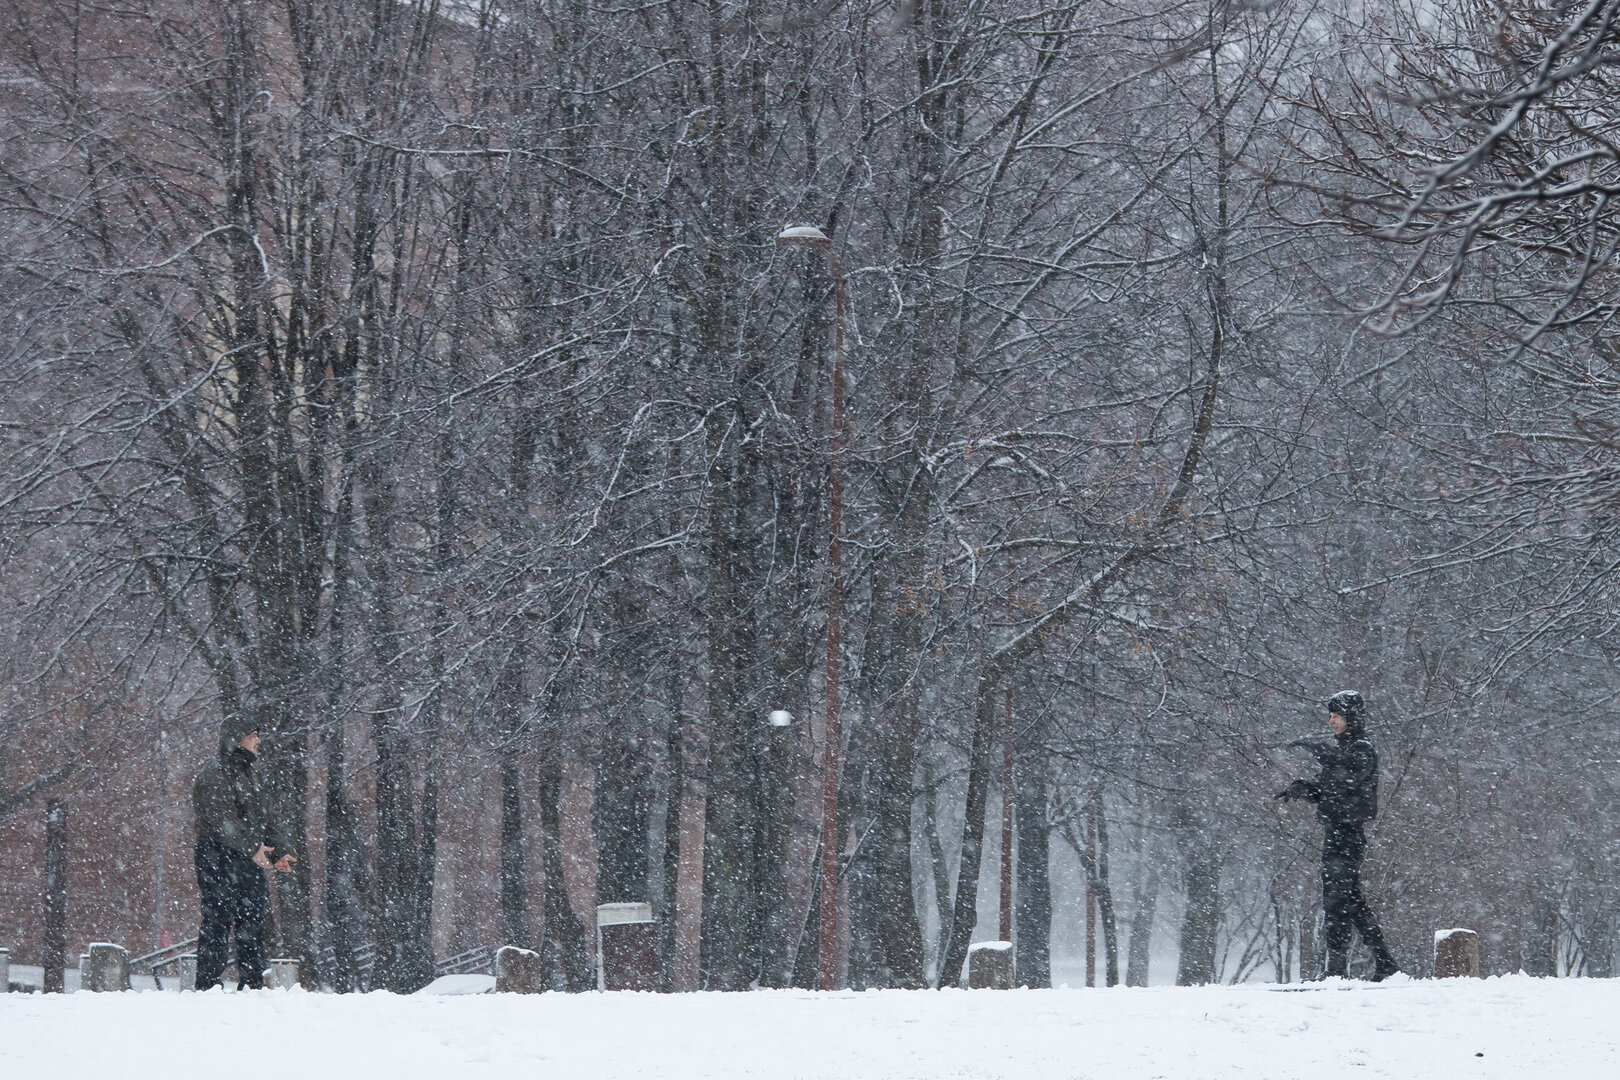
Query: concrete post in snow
x,y
518,971
187,965
283,974
990,965
55,953
108,966
5,970
626,947
1456,954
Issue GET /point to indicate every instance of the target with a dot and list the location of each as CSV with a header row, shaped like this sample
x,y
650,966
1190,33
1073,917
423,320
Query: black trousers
x,y
235,902
1344,908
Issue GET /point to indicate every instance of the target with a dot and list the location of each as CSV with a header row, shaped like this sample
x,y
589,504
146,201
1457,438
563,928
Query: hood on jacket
x,y
232,730
1348,704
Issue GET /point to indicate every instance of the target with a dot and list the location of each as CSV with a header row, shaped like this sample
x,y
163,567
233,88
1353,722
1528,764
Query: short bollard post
x,y
187,964
283,974
990,966
84,971
109,967
5,971
518,971
1456,954
626,947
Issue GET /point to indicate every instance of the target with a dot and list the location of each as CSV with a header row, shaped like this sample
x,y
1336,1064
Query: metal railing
x,y
475,961
479,960
153,962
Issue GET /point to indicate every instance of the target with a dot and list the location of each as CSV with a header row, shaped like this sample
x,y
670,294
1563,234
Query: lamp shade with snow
x,y
807,235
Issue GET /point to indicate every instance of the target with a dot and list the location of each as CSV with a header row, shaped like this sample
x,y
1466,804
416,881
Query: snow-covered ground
x,y
1518,1027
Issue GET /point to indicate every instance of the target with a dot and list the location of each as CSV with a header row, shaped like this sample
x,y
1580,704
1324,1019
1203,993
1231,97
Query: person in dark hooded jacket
x,y
1345,792
234,847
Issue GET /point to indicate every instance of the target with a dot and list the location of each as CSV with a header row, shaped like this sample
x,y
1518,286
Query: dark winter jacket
x,y
1345,791
226,801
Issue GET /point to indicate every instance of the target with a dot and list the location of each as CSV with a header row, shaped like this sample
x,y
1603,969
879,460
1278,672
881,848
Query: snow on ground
x,y
1515,1027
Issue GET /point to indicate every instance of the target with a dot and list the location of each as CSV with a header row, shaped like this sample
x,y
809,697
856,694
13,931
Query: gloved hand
x,y
1299,789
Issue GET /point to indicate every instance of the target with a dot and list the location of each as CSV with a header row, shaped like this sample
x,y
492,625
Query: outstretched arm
x,y
1317,747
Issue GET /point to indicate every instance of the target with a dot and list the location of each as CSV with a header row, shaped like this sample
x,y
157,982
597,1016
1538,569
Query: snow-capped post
x,y
827,936
5,971
108,966
55,953
283,974
1006,920
990,965
518,971
1456,954
626,947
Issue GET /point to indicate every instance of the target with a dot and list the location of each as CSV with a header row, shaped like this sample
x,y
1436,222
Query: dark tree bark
x,y
1032,963
675,779
808,943
780,925
1095,865
1143,907
964,912
899,935
1105,898
620,805
514,858
1201,879
563,946
1541,951
939,868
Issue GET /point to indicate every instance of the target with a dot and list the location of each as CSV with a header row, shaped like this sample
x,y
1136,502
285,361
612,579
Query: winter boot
x,y
1384,964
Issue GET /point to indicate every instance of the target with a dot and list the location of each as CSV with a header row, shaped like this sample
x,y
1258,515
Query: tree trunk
x,y
1032,962
728,849
1143,909
1202,878
289,786
899,933
343,899
665,904
514,859
343,892
780,927
563,948
940,869
620,806
1105,899
808,946
964,913
1541,955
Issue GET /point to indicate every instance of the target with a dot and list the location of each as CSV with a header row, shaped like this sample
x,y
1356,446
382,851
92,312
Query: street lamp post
x,y
827,953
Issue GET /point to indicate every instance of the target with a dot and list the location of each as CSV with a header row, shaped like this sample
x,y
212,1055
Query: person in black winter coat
x,y
234,848
1345,792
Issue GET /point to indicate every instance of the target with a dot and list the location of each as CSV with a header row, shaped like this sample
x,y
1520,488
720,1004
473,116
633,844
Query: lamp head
x,y
802,236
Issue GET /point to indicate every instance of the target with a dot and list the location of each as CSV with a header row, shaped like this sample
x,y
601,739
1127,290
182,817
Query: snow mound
x,y
1476,1029
458,985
